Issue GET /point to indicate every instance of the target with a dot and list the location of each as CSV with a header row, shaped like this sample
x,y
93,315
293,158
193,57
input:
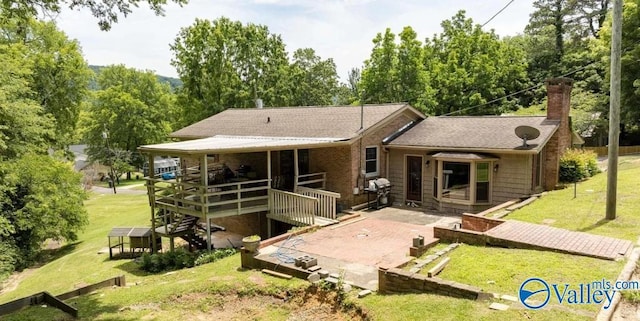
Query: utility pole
x,y
614,111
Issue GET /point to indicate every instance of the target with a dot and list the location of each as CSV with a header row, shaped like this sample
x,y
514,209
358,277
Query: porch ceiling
x,y
222,144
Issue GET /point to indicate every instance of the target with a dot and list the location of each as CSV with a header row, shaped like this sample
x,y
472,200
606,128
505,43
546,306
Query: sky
x,y
338,29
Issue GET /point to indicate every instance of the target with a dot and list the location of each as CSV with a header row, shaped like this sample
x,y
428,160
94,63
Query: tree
x,y
106,11
224,64
133,107
630,76
40,199
379,82
472,70
59,74
315,80
413,80
24,126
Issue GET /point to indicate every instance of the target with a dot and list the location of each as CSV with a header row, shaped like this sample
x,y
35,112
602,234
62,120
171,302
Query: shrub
x,y
172,260
577,164
215,255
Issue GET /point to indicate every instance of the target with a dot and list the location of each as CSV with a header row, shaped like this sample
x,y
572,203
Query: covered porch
x,y
228,176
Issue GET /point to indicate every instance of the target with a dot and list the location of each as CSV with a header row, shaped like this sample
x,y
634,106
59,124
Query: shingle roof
x,y
342,122
476,133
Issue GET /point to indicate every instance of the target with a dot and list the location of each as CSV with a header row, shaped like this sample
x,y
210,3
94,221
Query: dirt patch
x,y
12,282
311,304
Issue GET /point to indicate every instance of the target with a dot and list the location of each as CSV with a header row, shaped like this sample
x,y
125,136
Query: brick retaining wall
x,y
479,223
394,280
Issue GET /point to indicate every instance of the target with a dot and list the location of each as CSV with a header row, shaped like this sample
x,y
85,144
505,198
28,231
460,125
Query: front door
x,y
414,178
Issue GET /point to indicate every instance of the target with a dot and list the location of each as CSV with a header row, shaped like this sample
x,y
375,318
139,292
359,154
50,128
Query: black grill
x,y
381,189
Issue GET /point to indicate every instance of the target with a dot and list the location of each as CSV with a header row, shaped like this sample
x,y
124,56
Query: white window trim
x,y
472,181
377,172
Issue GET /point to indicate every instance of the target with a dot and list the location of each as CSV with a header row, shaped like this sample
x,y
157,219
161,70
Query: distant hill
x,y
173,82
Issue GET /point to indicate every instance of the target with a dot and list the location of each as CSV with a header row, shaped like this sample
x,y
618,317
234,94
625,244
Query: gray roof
x,y
339,122
476,133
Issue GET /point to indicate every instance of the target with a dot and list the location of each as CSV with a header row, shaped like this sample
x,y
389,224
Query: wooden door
x,y
414,178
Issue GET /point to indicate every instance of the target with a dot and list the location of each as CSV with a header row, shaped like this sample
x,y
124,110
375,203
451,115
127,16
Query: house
x,y
263,170
468,164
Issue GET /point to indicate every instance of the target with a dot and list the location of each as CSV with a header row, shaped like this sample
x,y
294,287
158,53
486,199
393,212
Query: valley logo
x,y
535,293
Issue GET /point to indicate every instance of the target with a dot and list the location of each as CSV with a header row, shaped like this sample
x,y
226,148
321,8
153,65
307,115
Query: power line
x,y
515,93
497,13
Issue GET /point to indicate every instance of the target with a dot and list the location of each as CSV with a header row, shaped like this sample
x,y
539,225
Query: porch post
x,y
204,178
152,201
269,167
296,170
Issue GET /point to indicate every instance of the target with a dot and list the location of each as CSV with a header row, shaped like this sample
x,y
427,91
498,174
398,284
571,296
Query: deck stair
x,y
177,225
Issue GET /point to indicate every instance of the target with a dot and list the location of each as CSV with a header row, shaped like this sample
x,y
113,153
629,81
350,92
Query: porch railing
x,y
292,208
176,199
313,180
327,201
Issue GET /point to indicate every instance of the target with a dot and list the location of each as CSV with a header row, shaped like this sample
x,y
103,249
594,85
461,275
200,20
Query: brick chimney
x,y
558,106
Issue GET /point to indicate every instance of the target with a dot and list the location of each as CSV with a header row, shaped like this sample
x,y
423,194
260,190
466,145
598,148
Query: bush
x,y
578,164
215,255
172,260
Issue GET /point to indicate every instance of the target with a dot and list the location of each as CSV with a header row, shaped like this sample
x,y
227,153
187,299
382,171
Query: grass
x,y
435,307
125,182
586,212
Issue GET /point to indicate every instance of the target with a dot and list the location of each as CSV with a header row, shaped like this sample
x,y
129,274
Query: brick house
x,y
468,164
270,168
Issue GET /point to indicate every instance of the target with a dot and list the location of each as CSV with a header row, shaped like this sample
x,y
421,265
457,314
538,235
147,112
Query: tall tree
x,y
133,108
379,76
413,80
59,74
224,63
471,69
107,11
630,76
314,81
24,126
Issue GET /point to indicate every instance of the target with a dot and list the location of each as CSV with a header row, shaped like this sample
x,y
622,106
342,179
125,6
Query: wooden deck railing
x,y
327,201
313,180
176,199
292,208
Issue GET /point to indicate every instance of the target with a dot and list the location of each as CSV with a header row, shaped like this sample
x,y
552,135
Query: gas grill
x,y
380,189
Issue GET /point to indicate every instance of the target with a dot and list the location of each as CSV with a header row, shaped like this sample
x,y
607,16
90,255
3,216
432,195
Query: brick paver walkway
x,y
553,238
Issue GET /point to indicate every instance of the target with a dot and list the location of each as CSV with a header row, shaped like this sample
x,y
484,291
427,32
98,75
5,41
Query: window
x,y
456,180
482,182
371,161
464,181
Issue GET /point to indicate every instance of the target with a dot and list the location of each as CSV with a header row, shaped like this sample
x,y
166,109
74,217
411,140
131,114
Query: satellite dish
x,y
527,132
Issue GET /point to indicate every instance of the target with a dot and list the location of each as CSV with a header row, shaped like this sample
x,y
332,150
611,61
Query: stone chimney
x,y
558,107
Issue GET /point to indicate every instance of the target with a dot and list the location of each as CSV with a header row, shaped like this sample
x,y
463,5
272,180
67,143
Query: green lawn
x,y
587,211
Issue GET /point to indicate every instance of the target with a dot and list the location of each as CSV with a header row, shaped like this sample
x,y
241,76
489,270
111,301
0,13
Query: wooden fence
x,y
58,301
622,150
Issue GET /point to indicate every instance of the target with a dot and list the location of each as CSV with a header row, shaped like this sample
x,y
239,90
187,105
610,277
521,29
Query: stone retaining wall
x,y
394,280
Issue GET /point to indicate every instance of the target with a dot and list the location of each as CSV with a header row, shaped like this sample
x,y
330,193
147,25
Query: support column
x,y
296,170
152,201
269,167
204,181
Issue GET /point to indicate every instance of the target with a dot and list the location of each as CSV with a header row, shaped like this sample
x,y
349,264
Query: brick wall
x,y
394,280
336,162
558,106
459,236
374,138
479,223
246,224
